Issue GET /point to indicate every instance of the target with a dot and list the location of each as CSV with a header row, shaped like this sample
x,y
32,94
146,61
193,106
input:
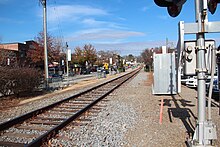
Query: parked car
x,y
191,82
54,77
85,71
184,79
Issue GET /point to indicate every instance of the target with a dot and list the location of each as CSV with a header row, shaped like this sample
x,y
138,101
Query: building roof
x,y
9,46
14,46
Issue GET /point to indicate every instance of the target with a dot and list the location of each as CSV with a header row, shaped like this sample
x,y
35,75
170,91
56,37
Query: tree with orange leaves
x,y
87,54
36,55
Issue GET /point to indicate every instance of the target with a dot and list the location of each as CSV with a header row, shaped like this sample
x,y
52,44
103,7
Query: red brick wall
x,y
12,47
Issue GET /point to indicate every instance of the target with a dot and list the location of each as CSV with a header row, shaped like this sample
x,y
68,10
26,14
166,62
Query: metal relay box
x,y
164,74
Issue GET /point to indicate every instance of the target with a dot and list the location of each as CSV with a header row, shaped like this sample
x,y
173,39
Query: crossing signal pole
x,y
43,2
205,132
67,60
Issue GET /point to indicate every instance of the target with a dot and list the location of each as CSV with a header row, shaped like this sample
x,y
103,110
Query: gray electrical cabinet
x,y
165,81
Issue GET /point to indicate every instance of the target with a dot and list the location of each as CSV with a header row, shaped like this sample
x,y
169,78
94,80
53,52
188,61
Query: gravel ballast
x,y
131,118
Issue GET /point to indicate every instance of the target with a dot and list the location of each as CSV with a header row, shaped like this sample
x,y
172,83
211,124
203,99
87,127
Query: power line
x,y
60,31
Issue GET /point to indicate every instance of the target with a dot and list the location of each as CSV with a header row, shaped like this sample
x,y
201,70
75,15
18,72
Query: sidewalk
x,y
71,84
68,81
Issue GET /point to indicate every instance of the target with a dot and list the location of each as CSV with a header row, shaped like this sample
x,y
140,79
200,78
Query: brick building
x,y
15,53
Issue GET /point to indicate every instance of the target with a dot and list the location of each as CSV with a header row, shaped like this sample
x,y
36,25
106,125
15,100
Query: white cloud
x,y
72,12
91,22
126,48
103,34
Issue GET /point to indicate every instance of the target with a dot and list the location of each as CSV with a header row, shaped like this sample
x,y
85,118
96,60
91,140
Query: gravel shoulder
x,y
179,115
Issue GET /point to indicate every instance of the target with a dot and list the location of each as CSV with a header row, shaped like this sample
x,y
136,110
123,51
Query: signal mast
x,y
205,132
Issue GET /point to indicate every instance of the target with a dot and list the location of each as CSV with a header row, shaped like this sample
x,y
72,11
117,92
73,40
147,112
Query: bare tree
x,y
147,56
104,56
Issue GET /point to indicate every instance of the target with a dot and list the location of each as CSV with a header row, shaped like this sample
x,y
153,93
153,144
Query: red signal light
x,y
174,10
212,5
174,7
163,3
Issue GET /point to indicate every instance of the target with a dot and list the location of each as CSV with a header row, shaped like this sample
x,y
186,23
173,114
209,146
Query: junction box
x,y
164,74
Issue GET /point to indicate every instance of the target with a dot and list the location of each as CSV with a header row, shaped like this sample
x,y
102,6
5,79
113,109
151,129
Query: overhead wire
x,y
60,31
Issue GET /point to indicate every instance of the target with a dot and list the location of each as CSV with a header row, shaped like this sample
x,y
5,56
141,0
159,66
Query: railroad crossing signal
x,y
212,5
205,132
174,7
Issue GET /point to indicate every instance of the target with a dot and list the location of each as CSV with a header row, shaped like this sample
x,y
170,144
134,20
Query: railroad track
x,y
37,127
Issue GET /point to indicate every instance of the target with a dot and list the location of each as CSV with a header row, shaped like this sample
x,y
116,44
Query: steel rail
x,y
52,132
19,119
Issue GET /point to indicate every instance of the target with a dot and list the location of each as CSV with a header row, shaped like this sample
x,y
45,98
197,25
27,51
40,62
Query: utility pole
x,y
43,2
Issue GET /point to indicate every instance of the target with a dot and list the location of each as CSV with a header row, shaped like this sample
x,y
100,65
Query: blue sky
x,y
125,26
